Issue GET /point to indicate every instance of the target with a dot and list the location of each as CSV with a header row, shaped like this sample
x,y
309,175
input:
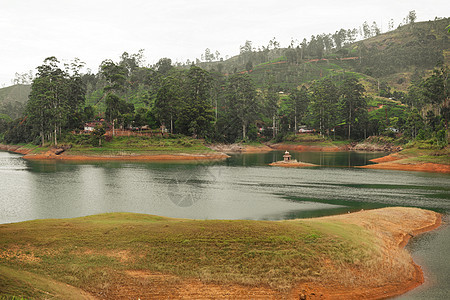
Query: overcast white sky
x,y
95,30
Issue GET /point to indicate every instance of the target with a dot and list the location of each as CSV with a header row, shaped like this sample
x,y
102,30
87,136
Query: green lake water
x,y
241,187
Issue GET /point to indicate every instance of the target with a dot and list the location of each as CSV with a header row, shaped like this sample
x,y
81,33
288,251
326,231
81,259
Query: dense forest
x,y
348,85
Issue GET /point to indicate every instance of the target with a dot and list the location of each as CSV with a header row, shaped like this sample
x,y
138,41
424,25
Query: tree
x,y
414,123
56,98
76,93
164,65
98,134
240,100
168,100
249,66
339,38
411,17
196,115
351,101
112,109
303,46
324,105
366,30
208,55
415,97
374,29
297,103
391,25
246,48
115,75
271,99
437,90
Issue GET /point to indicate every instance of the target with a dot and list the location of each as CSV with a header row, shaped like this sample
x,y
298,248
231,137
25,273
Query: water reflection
x,y
324,159
242,187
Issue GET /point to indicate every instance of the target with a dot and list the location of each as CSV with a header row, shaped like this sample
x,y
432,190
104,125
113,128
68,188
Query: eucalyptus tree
x,y
436,90
324,104
168,99
55,99
196,114
116,76
366,30
76,94
132,62
271,103
164,66
351,101
240,101
298,103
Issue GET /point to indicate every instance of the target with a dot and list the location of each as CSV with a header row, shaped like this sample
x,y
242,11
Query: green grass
x,y
132,145
424,152
91,251
143,145
21,285
418,153
436,159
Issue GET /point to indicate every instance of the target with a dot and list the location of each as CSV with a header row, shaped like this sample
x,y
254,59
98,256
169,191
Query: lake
x,y
241,187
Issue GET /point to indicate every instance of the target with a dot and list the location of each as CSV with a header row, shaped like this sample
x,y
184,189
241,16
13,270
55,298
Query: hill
x,y
393,58
13,100
15,93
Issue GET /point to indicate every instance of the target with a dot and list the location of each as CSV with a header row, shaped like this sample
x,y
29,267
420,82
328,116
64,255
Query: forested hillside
x,y
395,83
392,57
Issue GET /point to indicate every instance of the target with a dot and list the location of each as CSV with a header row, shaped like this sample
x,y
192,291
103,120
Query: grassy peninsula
x,y
416,156
133,255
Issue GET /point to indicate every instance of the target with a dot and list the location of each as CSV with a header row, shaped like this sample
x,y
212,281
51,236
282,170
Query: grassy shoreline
x,y
105,255
415,158
122,148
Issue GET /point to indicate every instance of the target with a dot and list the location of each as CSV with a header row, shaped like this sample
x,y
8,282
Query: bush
x,y
77,139
441,138
252,132
279,138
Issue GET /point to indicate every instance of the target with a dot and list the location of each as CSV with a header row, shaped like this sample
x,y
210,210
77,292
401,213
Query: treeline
x,y
216,107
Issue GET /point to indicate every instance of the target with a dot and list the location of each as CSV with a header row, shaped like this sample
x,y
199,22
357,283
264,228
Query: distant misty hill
x,y
18,92
13,100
